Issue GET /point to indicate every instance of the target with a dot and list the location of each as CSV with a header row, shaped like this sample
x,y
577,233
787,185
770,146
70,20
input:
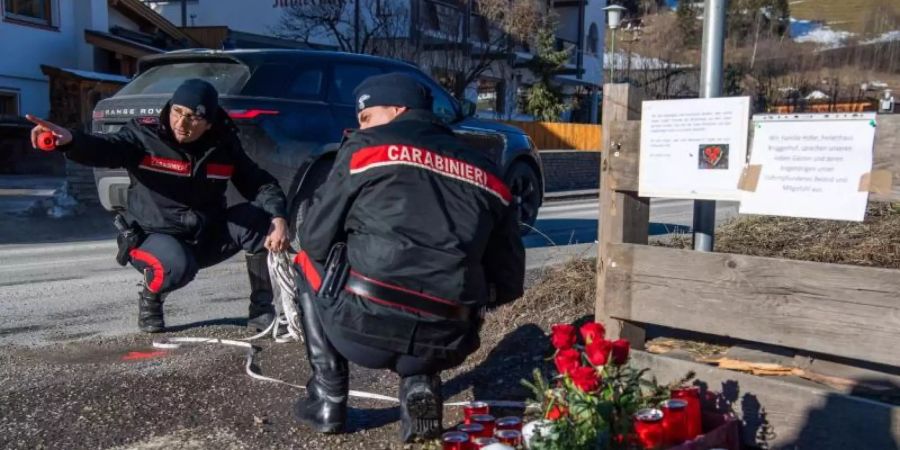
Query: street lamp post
x,y
613,17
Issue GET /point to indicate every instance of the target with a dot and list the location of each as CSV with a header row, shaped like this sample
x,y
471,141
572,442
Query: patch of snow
x,y
826,37
817,95
97,75
60,205
638,62
889,36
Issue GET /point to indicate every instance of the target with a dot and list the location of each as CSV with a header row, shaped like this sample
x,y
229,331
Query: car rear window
x,y
346,78
228,78
286,81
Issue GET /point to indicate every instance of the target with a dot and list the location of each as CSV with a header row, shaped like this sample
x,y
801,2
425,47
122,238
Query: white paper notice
x,y
693,148
811,166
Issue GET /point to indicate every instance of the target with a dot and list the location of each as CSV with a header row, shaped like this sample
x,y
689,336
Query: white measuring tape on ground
x,y
282,273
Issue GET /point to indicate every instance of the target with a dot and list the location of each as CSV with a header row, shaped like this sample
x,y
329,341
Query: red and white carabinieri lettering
x,y
395,154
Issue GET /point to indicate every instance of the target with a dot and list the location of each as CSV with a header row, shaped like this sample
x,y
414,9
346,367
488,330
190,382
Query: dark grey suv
x,y
292,107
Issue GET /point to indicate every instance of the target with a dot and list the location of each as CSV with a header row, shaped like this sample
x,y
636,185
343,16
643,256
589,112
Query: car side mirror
x,y
467,107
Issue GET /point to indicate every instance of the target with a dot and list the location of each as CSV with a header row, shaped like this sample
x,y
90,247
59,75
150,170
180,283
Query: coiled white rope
x,y
283,276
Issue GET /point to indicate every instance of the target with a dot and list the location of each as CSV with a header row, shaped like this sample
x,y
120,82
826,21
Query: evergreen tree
x,y
545,99
686,17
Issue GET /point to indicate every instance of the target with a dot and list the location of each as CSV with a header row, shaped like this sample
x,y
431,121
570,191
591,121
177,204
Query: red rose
x,y
563,336
620,350
598,352
557,412
567,360
585,378
592,331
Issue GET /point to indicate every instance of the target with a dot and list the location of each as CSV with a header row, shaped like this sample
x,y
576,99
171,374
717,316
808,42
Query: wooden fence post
x,y
624,217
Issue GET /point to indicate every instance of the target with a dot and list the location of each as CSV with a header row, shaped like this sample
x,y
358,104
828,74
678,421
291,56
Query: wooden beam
x,y
623,170
887,152
847,311
624,217
781,413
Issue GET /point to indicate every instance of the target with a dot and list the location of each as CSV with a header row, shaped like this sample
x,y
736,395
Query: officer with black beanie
x,y
176,221
410,238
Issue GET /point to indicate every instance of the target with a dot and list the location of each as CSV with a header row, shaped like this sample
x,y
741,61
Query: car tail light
x,y
250,113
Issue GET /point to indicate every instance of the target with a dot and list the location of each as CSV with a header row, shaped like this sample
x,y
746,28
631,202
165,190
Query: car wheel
x,y
315,176
525,187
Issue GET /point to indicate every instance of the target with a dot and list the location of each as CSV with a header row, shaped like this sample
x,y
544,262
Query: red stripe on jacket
x,y
396,154
166,165
308,269
219,170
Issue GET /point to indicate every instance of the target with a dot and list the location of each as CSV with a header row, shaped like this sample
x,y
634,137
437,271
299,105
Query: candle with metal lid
x,y
674,423
648,426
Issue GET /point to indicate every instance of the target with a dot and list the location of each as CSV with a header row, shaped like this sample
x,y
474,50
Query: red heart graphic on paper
x,y
713,155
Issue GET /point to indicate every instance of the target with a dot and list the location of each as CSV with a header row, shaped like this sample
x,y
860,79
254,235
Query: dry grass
x,y
873,243
560,294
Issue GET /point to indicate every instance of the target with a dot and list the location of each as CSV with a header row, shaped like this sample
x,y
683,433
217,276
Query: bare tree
x,y
359,26
456,42
462,50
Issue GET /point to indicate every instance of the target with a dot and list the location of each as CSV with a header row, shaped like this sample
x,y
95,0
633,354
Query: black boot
x,y
325,406
150,312
421,407
261,312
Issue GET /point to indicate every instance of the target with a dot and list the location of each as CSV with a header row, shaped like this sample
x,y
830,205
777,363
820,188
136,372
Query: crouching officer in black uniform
x,y
177,222
402,248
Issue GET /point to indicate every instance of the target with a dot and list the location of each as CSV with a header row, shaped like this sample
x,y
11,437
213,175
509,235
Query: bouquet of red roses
x,y
590,401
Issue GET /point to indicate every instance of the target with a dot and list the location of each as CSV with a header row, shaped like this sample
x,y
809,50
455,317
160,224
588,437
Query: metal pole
x,y
579,57
710,86
183,13
612,56
356,42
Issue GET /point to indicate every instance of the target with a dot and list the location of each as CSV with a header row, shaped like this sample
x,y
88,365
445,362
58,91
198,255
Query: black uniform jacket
x,y
179,189
422,214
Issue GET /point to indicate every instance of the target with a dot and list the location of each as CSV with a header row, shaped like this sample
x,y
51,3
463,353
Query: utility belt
x,y
129,237
339,277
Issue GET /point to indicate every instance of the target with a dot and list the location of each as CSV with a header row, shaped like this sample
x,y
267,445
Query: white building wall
x,y
568,29
118,19
90,15
25,48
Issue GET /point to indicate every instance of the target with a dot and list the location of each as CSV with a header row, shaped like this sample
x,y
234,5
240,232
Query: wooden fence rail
x,y
562,136
845,311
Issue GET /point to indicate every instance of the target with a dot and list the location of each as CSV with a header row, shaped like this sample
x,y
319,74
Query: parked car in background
x,y
292,107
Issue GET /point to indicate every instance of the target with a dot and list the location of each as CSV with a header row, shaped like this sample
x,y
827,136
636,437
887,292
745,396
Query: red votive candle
x,y
487,421
674,420
455,440
648,426
481,442
474,430
512,438
509,423
694,419
474,408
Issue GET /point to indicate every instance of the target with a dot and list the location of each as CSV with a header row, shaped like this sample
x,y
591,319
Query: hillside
x,y
854,16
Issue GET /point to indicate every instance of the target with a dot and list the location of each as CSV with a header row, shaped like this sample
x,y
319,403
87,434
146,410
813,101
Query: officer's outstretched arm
x,y
121,149
256,184
324,222
504,259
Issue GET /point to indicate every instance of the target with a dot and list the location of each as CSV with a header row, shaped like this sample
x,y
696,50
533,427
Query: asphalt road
x,y
70,377
58,292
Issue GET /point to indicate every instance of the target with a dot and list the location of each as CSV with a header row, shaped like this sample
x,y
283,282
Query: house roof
x,y
117,44
84,74
139,12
